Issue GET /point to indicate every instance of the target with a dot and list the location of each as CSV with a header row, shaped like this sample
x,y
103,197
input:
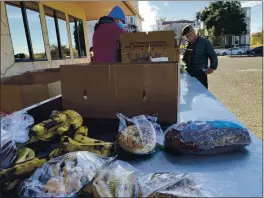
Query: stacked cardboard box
x,y
141,46
21,91
102,91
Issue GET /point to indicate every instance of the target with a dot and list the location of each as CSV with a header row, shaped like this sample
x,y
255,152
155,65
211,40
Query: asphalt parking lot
x,y
237,83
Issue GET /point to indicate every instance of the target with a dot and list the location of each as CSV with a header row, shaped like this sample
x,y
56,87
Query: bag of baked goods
x,y
140,134
206,137
170,185
63,176
117,179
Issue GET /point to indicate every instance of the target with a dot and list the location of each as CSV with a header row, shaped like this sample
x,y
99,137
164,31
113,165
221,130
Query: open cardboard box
x,y
21,91
142,46
102,91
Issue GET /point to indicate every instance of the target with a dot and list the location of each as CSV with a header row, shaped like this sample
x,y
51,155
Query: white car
x,y
232,51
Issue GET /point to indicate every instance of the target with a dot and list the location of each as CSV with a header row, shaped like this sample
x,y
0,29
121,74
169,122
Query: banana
x,y
49,125
11,185
24,154
83,130
67,139
100,148
55,153
106,149
74,121
21,170
86,140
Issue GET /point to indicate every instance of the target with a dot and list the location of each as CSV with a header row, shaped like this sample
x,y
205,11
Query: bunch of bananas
x,y
24,165
82,142
59,124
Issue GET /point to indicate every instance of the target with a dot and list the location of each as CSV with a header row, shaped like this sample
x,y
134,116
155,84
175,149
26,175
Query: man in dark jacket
x,y
196,55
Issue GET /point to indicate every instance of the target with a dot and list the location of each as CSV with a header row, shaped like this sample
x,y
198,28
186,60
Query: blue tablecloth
x,y
237,174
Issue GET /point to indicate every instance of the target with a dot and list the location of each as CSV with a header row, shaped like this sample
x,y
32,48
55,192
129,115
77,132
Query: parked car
x,y
257,51
232,51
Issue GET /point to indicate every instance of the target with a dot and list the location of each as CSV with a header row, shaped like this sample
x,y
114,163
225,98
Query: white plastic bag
x,y
17,125
139,135
63,176
8,149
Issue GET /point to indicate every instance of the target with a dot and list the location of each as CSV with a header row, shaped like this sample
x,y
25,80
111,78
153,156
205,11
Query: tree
x,y
79,31
257,39
226,17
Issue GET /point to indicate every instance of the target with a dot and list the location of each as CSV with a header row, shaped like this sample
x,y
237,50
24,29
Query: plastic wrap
x,y
8,149
118,179
140,134
17,124
63,176
170,185
206,137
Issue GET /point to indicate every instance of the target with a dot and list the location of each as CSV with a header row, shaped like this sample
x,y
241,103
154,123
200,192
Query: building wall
x,y
8,65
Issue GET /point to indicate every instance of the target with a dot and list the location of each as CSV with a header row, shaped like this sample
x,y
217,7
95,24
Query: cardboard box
x,y
21,91
140,46
102,91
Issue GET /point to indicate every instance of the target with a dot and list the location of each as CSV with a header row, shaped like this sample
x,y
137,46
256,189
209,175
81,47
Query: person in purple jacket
x,y
106,38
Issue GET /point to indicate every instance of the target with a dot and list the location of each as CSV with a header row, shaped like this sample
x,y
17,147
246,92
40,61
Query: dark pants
x,y
201,77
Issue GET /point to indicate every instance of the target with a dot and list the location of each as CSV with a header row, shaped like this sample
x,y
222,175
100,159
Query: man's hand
x,y
209,71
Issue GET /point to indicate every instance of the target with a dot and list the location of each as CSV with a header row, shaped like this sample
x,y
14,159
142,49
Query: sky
x,y
149,10
176,10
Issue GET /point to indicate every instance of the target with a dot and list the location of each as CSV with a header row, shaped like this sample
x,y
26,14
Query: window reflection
x,y
73,37
77,35
35,29
19,40
63,35
54,50
81,37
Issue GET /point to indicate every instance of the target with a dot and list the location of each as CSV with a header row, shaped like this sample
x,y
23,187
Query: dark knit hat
x,y
187,29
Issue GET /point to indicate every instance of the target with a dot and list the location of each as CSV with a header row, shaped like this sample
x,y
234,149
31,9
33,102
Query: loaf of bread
x,y
206,137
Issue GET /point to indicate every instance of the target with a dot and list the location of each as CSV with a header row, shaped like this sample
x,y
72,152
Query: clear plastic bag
x,y
140,134
17,124
206,137
8,149
63,176
170,185
117,179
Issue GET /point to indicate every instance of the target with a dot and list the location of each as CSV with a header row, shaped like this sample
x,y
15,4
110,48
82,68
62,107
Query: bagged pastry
x,y
63,176
206,137
118,179
140,134
174,185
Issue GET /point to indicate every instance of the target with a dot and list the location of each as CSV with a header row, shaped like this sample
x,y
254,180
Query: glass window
x,y
53,41
74,37
19,39
77,35
81,37
35,29
63,34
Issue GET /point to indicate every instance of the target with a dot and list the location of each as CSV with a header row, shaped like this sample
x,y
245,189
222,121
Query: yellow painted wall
x,y
66,7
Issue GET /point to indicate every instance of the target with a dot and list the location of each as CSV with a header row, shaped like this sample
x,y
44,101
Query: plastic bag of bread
x,y
140,134
63,176
118,179
170,185
206,137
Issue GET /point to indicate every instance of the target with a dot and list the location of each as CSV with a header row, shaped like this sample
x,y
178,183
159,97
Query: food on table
x,y
21,170
206,137
138,135
24,154
64,176
139,139
169,185
114,181
59,124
